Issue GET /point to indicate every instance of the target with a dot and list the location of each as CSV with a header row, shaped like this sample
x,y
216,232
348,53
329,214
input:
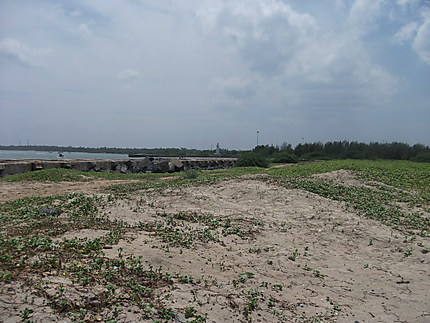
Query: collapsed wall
x,y
145,165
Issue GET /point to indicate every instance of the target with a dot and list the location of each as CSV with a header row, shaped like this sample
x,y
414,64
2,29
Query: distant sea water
x,y
15,154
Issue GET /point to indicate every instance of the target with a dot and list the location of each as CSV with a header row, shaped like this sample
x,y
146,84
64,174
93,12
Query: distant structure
x,y
217,150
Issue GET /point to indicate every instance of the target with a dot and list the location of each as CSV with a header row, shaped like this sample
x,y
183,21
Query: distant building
x,y
217,150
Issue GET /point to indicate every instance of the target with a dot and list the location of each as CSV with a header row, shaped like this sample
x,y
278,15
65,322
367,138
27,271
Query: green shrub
x,y
284,157
191,173
422,157
317,155
252,159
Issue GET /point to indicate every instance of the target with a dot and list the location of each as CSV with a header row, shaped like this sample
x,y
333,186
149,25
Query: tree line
x,y
306,151
349,150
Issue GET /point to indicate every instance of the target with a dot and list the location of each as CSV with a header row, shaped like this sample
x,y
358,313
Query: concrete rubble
x,y
144,165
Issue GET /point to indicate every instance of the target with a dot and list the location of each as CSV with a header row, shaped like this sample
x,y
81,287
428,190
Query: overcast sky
x,y
184,73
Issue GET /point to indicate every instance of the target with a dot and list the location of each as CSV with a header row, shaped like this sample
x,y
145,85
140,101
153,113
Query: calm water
x,y
12,154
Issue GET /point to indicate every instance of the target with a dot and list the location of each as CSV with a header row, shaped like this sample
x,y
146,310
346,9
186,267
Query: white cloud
x,y
418,34
76,13
128,74
30,56
235,87
363,16
408,2
421,43
407,32
266,34
83,28
297,54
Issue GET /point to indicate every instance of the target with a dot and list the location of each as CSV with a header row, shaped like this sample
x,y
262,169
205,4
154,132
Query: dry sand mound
x,y
300,256
341,176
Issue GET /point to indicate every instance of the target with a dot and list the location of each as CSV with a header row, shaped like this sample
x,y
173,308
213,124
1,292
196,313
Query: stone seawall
x,y
145,165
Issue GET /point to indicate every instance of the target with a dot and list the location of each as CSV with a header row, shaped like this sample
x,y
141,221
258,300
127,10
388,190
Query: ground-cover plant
x,y
310,168
187,229
394,182
205,177
30,251
50,175
401,174
59,269
28,214
28,230
102,278
411,178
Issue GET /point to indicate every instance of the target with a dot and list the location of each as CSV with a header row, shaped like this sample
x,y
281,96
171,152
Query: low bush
x,y
191,173
422,157
252,159
284,157
317,155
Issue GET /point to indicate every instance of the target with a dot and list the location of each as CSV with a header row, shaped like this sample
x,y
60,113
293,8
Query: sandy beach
x,y
296,256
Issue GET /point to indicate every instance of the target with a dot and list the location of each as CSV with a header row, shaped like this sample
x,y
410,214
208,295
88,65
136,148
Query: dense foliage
x,y
422,157
284,157
252,159
350,150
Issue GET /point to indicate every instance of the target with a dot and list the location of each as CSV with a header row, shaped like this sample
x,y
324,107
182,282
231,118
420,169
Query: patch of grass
x,y
50,175
375,204
401,174
310,168
394,182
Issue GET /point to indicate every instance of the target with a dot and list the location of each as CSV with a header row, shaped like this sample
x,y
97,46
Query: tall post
x,y
257,137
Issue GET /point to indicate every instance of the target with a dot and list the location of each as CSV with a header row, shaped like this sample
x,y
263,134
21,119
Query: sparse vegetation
x,y
97,278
